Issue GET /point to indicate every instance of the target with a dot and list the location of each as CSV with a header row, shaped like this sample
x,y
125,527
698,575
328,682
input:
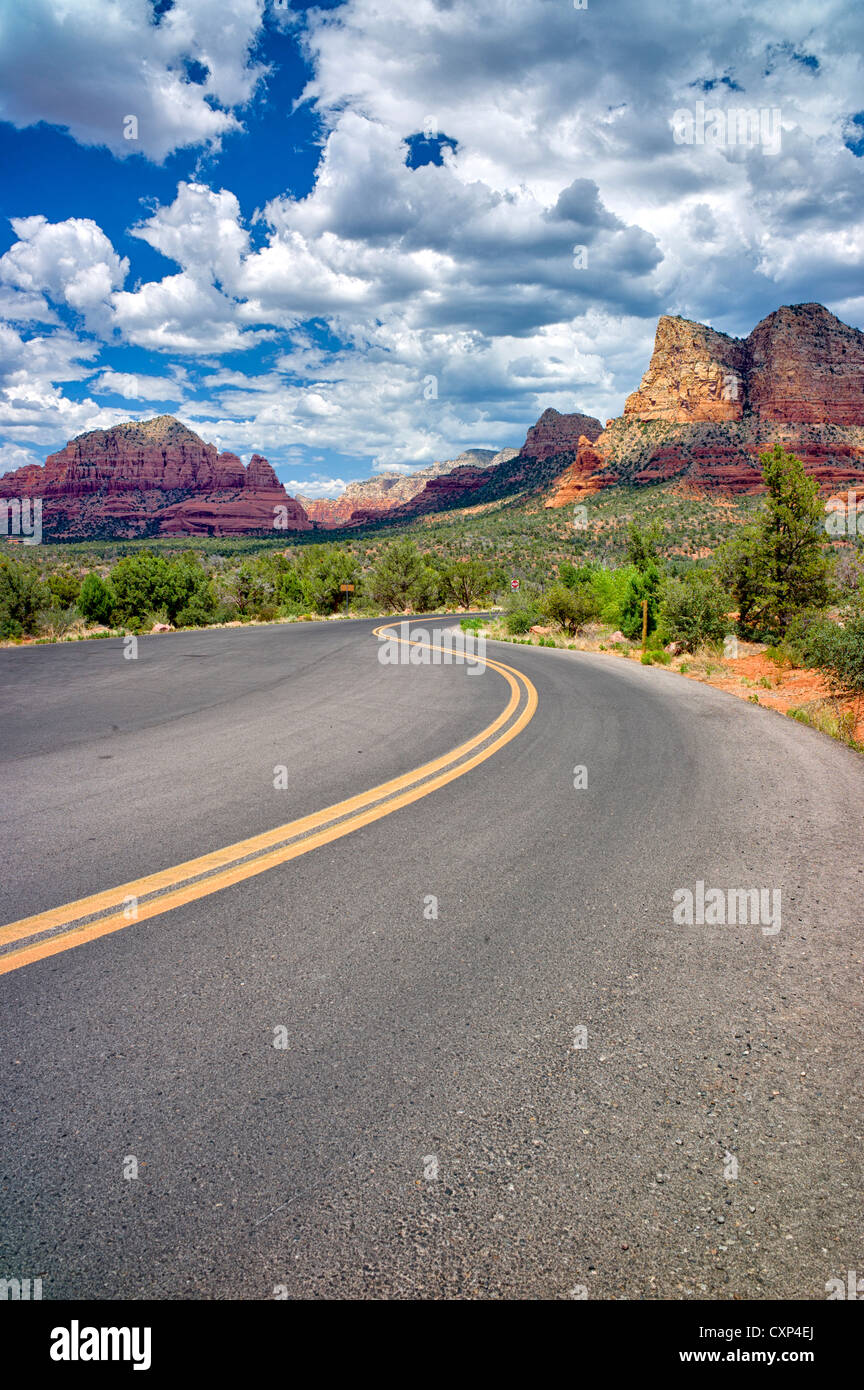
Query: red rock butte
x,y
153,477
710,404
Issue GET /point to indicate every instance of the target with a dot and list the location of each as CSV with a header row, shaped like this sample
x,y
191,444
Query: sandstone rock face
x,y
694,374
709,405
806,365
386,491
151,477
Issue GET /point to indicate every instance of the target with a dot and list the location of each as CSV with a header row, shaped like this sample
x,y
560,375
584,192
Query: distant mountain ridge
x,y
385,491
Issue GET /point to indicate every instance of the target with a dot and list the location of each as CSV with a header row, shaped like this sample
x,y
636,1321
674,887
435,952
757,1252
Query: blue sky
x,y
359,236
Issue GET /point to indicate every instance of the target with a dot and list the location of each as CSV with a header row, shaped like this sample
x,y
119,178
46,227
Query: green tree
x,y
145,583
96,599
570,608
22,596
64,587
576,576
467,582
782,564
642,547
255,591
323,569
402,578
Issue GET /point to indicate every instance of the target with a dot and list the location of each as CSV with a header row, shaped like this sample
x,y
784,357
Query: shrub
x,y
96,599
693,609
145,583
55,622
401,578
570,608
610,589
576,576
64,588
198,612
21,598
840,650
518,621
323,569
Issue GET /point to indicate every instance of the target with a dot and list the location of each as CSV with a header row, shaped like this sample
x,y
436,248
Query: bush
x,y
570,608
145,583
198,612
22,596
64,588
576,576
518,621
96,599
610,587
55,622
693,609
809,638
402,578
840,650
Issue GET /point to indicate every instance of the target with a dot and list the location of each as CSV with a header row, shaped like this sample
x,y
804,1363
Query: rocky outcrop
x,y
709,405
151,477
805,365
440,493
694,374
555,433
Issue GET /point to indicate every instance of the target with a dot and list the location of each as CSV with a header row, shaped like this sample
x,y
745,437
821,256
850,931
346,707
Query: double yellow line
x,y
62,928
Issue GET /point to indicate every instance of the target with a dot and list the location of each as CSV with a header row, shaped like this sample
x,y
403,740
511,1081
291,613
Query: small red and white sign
x,y
514,584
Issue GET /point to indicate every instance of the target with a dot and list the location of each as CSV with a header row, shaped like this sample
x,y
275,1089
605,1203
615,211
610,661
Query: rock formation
x,y
549,447
153,477
555,434
709,405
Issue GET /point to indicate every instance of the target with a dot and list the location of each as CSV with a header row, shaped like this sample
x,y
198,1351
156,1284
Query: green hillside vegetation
x,y
763,568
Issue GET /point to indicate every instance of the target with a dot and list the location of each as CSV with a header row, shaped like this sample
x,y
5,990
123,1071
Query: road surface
x,y
451,1048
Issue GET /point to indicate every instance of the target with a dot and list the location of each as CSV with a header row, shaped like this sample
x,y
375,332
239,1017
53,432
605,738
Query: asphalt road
x,y
429,1129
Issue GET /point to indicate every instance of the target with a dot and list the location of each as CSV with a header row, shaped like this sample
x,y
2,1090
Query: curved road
x,y
501,1068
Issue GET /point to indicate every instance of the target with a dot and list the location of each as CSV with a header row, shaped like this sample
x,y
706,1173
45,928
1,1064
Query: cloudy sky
x,y
370,234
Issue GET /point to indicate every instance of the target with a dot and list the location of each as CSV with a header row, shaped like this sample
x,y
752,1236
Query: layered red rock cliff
x,y
710,404
153,477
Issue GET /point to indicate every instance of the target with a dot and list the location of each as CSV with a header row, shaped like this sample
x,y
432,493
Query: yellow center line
x,y
317,829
